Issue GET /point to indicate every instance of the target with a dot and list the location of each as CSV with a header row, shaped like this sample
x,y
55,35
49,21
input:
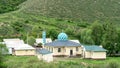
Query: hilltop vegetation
x,y
9,5
77,10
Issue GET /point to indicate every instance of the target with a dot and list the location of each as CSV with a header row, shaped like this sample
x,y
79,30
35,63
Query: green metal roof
x,y
93,48
43,51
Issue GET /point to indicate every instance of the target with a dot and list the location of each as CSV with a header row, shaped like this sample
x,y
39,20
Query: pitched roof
x,y
43,51
62,43
94,48
13,41
17,44
24,47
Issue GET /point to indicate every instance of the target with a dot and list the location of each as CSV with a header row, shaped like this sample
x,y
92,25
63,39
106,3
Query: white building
x,y
45,55
18,47
12,43
24,49
40,40
94,52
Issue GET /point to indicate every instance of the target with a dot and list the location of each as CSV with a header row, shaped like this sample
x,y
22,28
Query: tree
x,y
31,40
53,34
110,38
97,32
86,36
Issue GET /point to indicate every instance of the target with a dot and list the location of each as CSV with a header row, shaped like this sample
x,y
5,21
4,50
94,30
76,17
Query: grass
x,y
33,62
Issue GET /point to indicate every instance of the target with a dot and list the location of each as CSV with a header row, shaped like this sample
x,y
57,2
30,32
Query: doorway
x,y
71,52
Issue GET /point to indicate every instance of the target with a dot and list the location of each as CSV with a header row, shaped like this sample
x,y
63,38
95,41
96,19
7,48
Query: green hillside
x,y
74,17
9,5
86,10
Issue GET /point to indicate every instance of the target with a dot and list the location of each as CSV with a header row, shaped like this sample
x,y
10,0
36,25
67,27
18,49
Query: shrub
x,y
112,65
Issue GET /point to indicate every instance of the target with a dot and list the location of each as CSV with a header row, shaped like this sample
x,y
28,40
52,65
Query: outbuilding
x,y
24,50
94,52
18,47
12,43
44,54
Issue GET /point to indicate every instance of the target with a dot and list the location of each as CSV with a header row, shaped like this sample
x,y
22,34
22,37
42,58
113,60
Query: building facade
x,y
64,47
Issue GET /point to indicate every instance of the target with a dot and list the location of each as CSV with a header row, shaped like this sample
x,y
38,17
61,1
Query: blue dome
x,y
62,37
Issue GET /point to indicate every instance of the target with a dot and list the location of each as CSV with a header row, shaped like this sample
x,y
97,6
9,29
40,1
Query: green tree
x,y
86,36
31,40
53,34
110,38
97,32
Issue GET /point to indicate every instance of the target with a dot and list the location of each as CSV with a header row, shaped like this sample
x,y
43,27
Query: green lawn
x,y
33,62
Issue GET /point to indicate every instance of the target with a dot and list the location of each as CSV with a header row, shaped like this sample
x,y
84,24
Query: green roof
x,y
93,48
43,51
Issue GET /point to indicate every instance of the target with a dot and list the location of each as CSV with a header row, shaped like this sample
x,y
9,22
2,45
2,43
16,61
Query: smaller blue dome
x,y
62,37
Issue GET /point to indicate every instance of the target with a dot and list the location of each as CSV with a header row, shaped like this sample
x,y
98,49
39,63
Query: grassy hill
x,y
79,10
69,15
86,10
9,5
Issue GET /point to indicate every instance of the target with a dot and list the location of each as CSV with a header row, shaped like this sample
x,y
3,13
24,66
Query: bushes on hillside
x,y
9,5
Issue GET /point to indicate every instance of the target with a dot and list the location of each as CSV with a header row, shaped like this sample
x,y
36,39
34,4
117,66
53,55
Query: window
x,y
77,49
59,49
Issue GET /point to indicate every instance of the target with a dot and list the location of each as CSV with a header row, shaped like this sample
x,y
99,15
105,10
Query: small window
x,y
59,49
77,49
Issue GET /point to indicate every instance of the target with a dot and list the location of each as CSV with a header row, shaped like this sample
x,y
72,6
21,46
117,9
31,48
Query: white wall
x,y
98,55
46,57
87,54
64,50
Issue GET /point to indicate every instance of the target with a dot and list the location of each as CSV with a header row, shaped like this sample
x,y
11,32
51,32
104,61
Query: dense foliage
x,y
9,5
102,34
